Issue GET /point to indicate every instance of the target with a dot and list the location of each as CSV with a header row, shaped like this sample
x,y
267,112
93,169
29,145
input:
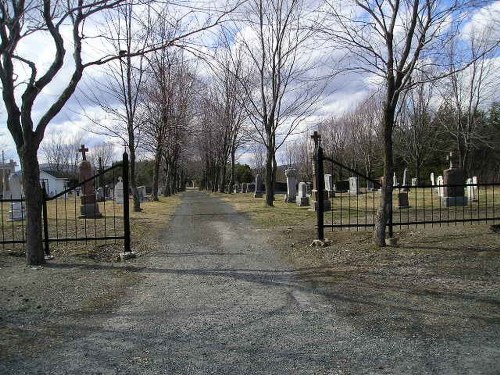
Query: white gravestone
x,y
433,180
16,212
405,178
329,185
440,187
414,181
394,180
302,199
353,185
291,185
119,191
472,189
475,188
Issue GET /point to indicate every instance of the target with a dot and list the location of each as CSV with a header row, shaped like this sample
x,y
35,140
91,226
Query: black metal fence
x,y
351,200
63,221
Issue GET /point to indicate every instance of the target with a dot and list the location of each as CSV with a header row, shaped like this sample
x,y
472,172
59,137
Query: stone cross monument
x,y
89,207
454,180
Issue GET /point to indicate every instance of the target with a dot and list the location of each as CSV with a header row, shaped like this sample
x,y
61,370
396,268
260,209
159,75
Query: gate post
x,y
45,221
126,212
320,185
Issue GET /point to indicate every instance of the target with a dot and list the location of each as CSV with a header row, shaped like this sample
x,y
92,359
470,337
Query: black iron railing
x,y
63,221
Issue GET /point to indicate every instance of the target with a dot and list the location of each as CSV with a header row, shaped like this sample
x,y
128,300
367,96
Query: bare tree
x,y
391,40
416,133
465,92
102,154
61,24
167,113
121,83
279,93
61,153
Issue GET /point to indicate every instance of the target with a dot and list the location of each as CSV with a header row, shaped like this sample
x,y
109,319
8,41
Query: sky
x,y
340,95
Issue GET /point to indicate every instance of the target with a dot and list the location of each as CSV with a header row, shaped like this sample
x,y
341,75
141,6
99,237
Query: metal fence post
x,y
126,212
45,219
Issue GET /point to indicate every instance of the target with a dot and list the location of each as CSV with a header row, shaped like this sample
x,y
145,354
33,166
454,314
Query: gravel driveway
x,y
217,299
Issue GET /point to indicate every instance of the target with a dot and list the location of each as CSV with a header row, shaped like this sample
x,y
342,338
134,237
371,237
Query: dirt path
x,y
218,300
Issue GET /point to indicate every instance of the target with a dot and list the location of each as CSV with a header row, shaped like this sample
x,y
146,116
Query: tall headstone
x,y
405,179
302,199
354,185
118,191
394,180
329,187
16,212
141,191
291,185
439,186
258,187
414,181
89,207
453,177
433,180
475,190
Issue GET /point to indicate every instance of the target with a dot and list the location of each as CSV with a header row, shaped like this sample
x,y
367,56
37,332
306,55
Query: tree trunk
x,y
233,167
269,177
34,200
133,180
156,175
385,206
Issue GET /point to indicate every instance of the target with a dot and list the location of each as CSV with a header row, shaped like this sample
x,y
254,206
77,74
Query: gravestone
x,y
16,212
354,185
100,196
258,187
89,207
251,187
302,199
141,191
414,181
439,186
291,185
453,177
236,188
403,200
329,186
433,180
342,186
405,180
475,189
119,191
394,180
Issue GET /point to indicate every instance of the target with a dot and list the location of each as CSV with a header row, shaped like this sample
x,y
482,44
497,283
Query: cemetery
x,y
256,187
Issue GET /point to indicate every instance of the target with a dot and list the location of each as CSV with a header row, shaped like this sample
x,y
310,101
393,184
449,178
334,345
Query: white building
x,y
54,182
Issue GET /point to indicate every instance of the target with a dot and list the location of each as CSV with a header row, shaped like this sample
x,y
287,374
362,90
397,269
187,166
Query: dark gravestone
x,y
342,186
89,207
403,200
454,181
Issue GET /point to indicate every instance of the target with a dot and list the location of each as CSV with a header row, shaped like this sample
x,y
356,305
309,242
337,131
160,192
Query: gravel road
x,y
217,299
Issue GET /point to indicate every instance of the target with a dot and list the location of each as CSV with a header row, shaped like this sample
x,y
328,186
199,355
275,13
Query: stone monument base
x,y
327,205
454,201
90,210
